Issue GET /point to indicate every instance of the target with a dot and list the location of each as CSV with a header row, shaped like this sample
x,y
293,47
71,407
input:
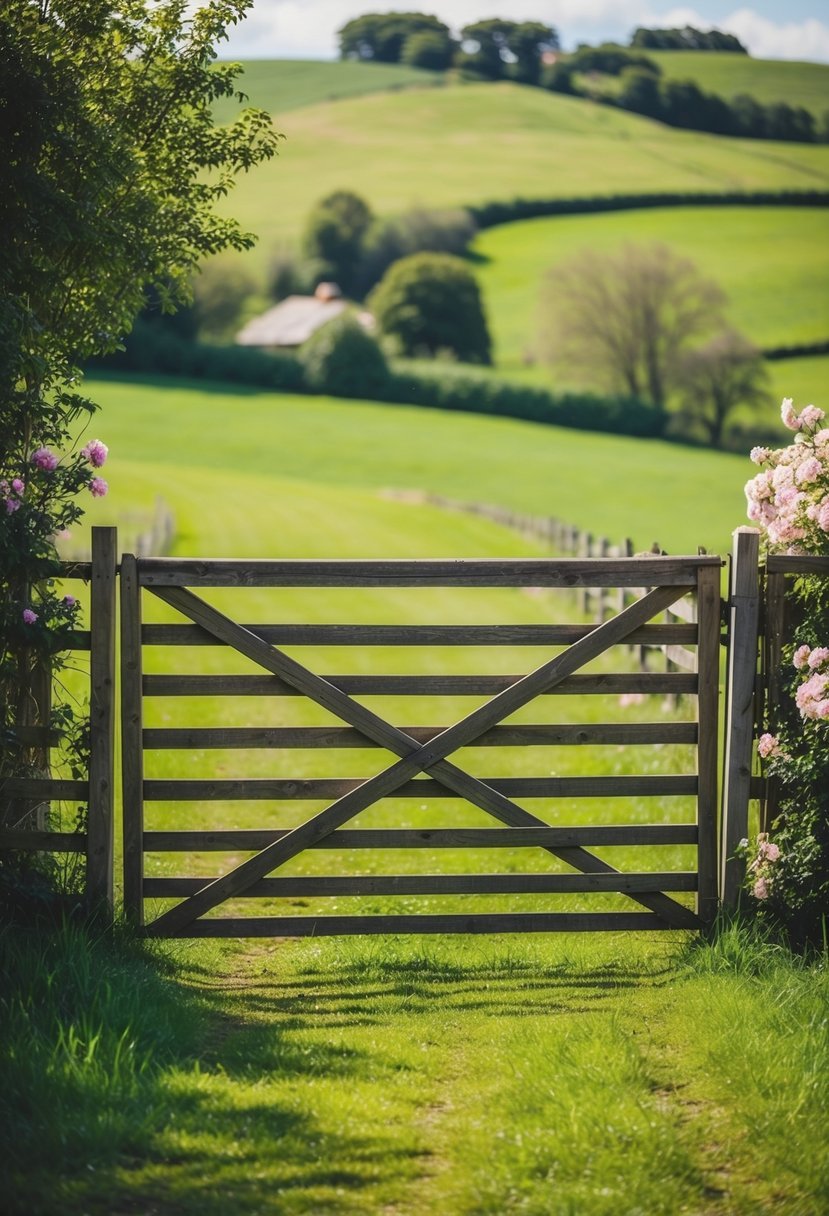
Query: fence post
x,y
99,852
132,772
743,637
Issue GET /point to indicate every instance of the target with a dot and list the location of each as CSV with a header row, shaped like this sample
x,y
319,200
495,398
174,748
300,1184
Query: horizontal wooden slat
x,y
435,884
330,788
43,842
43,789
796,564
653,683
505,922
416,635
287,737
81,570
253,839
502,572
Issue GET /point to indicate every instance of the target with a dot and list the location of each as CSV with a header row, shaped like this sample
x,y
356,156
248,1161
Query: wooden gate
x,y
423,766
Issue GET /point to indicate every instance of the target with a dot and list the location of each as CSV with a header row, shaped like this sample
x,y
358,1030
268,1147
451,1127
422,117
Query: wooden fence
x,y
758,622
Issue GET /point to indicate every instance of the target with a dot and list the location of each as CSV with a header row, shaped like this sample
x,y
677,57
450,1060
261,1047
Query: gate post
x,y
132,766
743,639
99,849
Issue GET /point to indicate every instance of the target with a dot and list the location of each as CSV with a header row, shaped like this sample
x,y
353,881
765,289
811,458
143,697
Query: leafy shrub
x,y
418,231
429,49
430,303
345,361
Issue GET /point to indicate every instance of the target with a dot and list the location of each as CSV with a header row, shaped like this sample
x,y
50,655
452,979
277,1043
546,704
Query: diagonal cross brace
x,y
415,758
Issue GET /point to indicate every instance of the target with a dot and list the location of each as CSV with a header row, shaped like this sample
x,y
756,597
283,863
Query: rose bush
x,y
788,876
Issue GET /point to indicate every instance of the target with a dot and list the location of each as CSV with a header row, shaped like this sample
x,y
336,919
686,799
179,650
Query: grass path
x,y
617,1075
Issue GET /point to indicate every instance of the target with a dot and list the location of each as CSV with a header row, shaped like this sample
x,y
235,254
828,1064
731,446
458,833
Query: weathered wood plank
x,y
780,563
337,737
743,653
460,572
411,762
101,815
328,788
414,635
132,760
708,606
610,684
775,637
43,842
436,884
341,926
249,839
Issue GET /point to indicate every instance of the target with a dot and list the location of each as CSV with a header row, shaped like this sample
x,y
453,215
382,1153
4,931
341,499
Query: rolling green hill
x,y
772,262
469,144
278,85
768,80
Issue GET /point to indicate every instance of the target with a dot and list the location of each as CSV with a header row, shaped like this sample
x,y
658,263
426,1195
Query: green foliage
x,y
686,39
429,49
383,37
497,47
430,302
716,379
610,59
417,231
343,360
334,234
221,290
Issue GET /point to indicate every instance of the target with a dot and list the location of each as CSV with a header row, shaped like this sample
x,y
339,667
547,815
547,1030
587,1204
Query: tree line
x,y
529,52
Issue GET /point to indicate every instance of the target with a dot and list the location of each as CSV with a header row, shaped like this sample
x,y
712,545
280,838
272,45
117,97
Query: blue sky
x,y
307,28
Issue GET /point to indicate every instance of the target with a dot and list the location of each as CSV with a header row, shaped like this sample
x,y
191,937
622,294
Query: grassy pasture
x,y
279,85
646,489
773,264
768,80
467,144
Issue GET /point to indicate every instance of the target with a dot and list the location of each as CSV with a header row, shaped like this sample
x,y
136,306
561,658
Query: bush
x,y
430,49
345,361
334,236
418,231
430,303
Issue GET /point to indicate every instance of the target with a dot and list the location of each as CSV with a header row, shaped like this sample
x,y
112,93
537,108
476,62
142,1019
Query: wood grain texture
x,y
132,759
101,815
708,606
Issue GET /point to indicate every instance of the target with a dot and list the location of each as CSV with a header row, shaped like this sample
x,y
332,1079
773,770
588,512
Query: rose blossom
x,y
98,487
69,601
759,455
801,657
810,416
12,505
788,415
95,452
809,471
42,458
29,617
760,890
818,656
18,486
769,746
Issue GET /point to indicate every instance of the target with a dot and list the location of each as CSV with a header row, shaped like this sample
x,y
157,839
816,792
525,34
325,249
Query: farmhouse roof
x,y
291,322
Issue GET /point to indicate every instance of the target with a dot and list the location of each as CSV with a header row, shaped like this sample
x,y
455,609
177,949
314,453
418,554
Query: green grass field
x,y
599,482
279,85
773,264
769,80
469,144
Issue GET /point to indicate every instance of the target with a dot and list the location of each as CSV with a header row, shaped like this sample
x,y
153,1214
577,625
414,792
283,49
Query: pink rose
x,y
769,746
42,458
759,455
29,616
69,601
18,486
818,657
95,452
12,505
810,470
810,416
788,415
98,487
801,657
768,851
760,890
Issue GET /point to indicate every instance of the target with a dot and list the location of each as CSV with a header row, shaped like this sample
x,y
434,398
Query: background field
x,y
470,144
646,489
773,264
768,80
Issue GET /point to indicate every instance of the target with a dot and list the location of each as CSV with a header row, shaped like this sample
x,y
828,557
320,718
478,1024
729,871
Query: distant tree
x,y
717,378
792,123
417,231
611,59
382,36
334,234
343,360
498,47
639,92
558,78
748,117
429,303
626,318
527,43
686,39
428,49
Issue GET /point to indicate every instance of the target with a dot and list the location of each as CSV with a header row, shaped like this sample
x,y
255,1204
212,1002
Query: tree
x,y
428,49
334,235
430,303
528,42
343,360
625,318
221,290
112,169
717,378
382,36
639,92
491,47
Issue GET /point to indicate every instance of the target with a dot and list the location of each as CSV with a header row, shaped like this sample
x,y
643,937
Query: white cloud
x,y
307,28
